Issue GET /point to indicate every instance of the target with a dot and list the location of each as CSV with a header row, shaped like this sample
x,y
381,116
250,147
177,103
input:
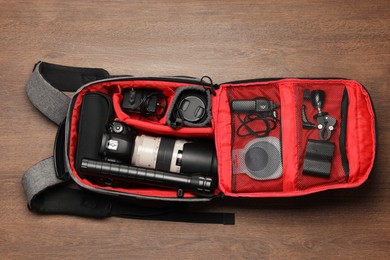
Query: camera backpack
x,y
128,141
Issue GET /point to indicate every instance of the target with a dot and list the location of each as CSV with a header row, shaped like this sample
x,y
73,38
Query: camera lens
x,y
199,157
121,145
174,155
160,153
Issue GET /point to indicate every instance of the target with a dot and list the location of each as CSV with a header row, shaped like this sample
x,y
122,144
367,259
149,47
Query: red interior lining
x,y
361,149
114,88
222,128
360,115
289,134
157,127
360,133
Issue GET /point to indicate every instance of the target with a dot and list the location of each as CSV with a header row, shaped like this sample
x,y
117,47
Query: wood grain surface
x,y
227,40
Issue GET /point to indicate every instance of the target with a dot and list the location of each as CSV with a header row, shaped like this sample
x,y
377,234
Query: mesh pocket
x,y
256,145
259,159
321,161
258,166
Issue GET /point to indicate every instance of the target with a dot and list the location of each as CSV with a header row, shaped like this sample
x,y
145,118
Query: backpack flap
x,y
293,137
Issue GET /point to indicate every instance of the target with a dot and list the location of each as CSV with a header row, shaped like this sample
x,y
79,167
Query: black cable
x,y
269,120
267,115
178,118
144,104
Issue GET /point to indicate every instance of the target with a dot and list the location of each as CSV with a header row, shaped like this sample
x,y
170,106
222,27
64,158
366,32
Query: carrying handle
x,y
48,82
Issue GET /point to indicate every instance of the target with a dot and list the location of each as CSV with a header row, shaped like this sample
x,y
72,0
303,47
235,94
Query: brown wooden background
x,y
227,40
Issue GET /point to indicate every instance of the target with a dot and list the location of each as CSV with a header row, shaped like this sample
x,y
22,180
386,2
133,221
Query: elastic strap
x,y
48,81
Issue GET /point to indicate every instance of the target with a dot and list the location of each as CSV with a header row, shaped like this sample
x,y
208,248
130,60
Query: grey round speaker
x,y
260,159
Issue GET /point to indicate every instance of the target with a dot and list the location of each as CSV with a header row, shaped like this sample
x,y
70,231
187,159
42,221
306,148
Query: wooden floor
x,y
227,40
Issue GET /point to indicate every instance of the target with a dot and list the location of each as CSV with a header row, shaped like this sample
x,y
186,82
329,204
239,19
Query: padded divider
x,y
290,127
159,127
223,140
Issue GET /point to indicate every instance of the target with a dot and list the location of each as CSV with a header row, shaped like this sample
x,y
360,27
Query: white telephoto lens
x,y
145,151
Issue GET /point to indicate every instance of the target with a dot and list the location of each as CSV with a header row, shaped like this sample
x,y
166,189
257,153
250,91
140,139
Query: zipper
x,y
275,79
210,85
181,79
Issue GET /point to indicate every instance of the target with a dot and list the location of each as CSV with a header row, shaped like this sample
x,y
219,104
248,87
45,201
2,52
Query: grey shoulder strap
x,y
48,82
39,177
45,89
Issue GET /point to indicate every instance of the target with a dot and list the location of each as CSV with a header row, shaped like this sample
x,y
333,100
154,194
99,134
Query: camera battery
x,y
318,158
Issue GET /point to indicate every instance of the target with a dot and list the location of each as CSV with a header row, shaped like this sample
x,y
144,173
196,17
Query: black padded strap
x,y
48,81
47,194
63,200
193,217
177,212
67,78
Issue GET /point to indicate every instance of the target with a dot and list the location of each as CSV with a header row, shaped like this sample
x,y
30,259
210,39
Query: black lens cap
x,y
193,108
